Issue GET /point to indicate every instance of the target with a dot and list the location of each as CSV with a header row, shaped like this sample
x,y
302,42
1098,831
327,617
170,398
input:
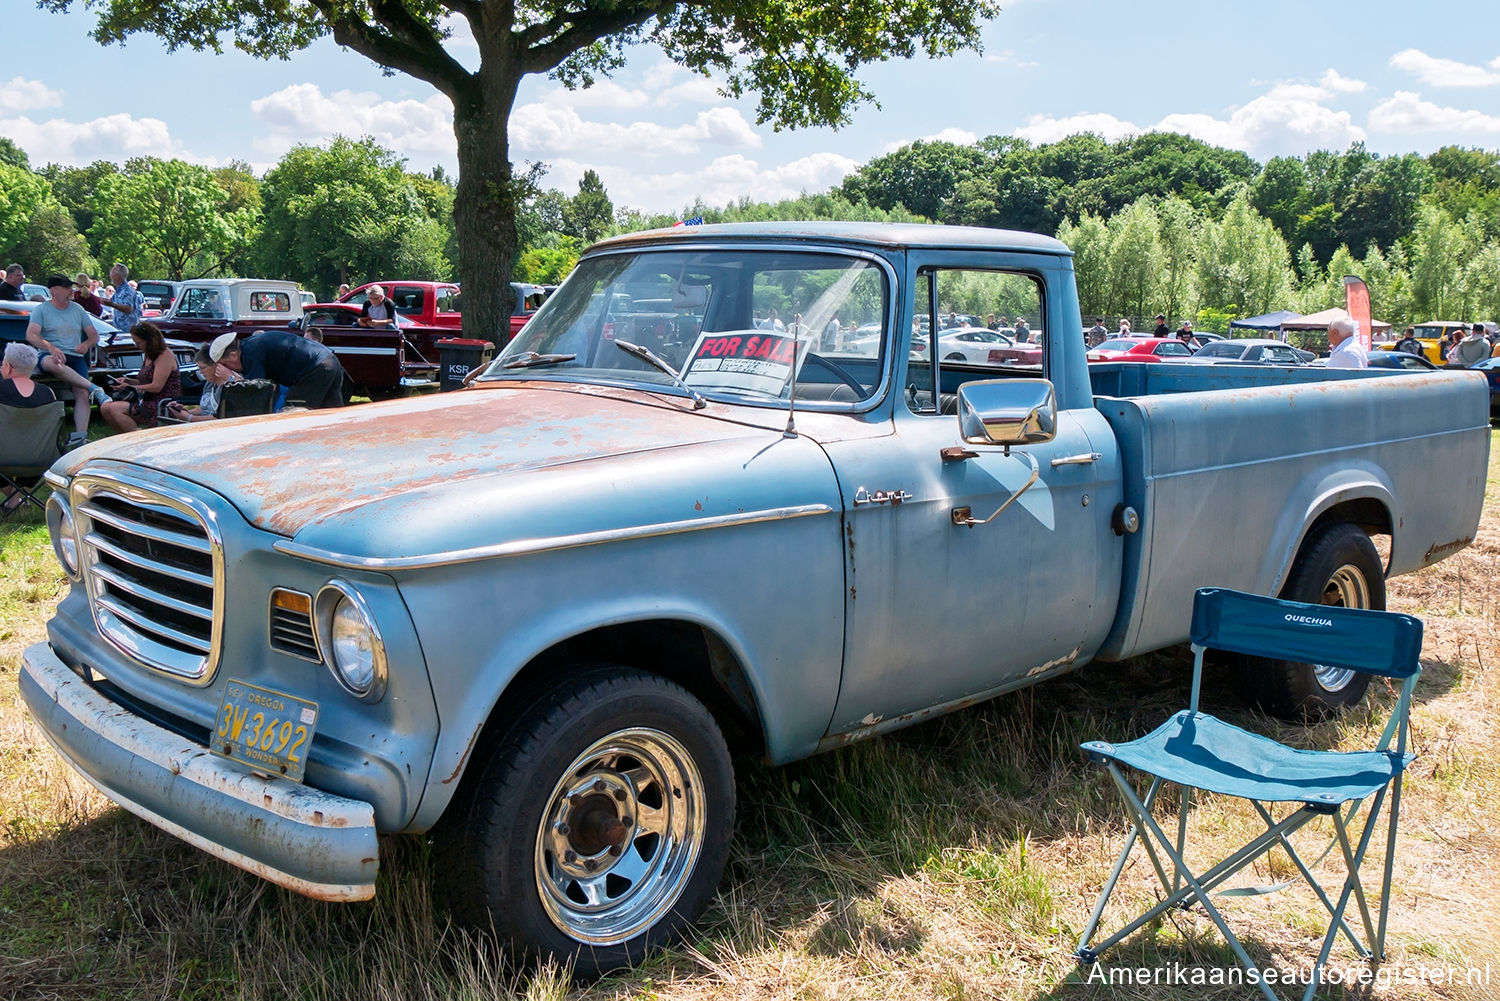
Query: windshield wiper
x,y
533,359
647,355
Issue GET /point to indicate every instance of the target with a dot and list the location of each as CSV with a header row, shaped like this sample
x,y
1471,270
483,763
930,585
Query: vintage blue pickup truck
x,y
534,619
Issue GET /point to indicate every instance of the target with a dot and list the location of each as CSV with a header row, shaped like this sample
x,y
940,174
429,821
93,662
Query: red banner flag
x,y
1357,302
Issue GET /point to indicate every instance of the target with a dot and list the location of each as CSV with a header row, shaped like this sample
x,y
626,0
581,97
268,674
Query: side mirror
x,y
1007,412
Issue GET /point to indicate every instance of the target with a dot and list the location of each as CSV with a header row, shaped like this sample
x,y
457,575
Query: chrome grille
x,y
153,567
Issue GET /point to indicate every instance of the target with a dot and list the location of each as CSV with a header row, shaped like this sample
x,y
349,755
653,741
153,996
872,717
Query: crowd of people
x,y
61,334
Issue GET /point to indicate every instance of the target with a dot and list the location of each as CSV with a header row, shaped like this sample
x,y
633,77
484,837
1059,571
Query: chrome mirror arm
x,y
964,516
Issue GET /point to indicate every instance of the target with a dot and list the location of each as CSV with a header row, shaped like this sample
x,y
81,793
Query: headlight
x,y
352,643
64,539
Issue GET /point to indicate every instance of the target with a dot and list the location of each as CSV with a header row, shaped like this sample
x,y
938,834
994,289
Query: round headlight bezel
x,y
64,533
337,596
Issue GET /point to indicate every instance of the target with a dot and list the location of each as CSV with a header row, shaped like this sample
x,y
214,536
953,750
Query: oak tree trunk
x,y
485,204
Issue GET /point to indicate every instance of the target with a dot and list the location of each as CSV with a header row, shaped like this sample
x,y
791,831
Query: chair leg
x,y
1082,952
1306,871
1378,947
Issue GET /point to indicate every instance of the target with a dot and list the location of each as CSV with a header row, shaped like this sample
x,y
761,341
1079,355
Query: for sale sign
x,y
761,361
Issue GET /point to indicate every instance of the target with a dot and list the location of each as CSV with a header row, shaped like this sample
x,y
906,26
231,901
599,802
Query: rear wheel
x,y
599,825
1338,566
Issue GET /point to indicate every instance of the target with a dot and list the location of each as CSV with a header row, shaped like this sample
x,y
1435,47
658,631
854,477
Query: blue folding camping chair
x,y
1197,751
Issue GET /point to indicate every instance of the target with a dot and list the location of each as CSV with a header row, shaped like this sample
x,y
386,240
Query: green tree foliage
x,y
77,188
169,218
1243,262
800,61
51,244
547,265
1440,250
1089,238
346,213
919,177
588,215
13,155
22,194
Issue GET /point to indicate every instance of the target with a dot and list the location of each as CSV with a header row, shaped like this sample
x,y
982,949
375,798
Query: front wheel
x,y
1338,566
599,825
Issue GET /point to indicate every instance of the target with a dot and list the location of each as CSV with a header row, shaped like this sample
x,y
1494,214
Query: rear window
x,y
1220,351
270,302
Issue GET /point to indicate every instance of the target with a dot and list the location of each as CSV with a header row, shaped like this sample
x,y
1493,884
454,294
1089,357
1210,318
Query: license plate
x,y
268,730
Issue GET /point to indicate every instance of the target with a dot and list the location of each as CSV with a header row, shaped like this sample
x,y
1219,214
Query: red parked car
x,y
1141,349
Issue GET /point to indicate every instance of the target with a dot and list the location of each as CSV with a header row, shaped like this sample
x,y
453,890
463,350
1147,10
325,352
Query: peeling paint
x,y
1053,665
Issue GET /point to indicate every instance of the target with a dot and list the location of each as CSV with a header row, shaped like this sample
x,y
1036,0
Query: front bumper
x,y
315,843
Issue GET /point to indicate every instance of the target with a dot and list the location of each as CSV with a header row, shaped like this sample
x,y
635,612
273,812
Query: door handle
x,y
1082,459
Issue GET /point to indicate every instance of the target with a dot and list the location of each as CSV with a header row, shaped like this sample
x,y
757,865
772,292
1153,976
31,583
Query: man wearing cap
x,y
1472,349
1185,333
378,311
1161,326
61,332
310,368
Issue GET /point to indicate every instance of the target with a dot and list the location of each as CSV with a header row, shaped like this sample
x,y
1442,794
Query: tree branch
x,y
540,58
408,45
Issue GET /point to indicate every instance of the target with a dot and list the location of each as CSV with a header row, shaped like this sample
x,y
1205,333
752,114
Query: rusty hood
x,y
291,471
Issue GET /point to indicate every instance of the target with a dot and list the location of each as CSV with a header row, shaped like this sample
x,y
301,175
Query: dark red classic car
x,y
378,360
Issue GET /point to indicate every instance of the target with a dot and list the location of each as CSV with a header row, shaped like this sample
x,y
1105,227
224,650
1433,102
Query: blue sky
x,y
1268,77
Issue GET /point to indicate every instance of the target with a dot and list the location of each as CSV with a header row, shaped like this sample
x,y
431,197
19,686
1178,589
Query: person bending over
x,y
311,369
215,378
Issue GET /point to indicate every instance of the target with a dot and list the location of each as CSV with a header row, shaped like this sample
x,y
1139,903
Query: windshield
x,y
1119,344
730,323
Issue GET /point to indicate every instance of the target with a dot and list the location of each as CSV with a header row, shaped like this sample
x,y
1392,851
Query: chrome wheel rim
x,y
1346,588
620,836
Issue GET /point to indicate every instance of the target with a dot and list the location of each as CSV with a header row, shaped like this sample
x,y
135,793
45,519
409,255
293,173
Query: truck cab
x,y
207,307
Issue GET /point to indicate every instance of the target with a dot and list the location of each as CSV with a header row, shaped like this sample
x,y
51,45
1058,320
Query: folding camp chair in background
x,y
1197,751
28,446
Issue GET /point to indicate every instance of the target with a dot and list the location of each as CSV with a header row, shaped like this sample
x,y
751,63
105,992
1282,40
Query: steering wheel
x,y
839,373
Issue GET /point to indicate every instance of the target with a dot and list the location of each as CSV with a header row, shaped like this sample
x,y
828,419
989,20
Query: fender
x,y
1309,500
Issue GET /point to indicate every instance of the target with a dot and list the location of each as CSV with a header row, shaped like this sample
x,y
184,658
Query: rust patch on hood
x,y
287,471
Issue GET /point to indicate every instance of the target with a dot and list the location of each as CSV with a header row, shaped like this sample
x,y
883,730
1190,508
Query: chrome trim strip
x,y
145,626
165,569
136,528
129,586
526,547
55,481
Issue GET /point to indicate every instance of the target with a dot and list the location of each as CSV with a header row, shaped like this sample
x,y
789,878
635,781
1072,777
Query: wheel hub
x,y
1346,588
620,836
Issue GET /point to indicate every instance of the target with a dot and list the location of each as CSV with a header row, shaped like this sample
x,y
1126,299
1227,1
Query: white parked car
x,y
971,344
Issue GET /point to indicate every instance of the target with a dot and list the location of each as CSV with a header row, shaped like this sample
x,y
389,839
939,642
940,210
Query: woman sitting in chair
x,y
18,389
157,380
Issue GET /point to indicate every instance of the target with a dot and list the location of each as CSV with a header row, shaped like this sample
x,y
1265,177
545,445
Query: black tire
x,y
1337,566
598,825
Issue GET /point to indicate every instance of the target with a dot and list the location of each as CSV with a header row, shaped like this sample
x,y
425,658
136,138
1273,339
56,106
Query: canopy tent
x,y
1320,321
1264,322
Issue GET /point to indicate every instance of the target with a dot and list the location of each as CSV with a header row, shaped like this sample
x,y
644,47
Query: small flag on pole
x,y
696,220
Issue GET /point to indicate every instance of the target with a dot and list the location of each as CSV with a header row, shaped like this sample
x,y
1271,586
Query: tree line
x,y
1159,222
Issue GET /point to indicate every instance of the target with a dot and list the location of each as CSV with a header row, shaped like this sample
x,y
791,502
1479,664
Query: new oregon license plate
x,y
270,731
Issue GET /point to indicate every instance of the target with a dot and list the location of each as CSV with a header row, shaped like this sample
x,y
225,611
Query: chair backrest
x,y
28,438
247,398
1383,643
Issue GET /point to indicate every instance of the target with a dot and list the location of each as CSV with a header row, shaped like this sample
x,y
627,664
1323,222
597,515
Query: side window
x,y
408,299
270,302
445,300
945,353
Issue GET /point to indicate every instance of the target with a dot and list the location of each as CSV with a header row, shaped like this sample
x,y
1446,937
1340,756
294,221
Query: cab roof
x,y
875,234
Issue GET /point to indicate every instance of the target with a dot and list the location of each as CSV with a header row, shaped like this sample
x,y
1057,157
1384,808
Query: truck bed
x,y
1230,467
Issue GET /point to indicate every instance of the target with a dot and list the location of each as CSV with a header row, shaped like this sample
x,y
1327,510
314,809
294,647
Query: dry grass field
x,y
955,860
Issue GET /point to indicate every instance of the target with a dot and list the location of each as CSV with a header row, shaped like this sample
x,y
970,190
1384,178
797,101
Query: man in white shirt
x,y
1347,351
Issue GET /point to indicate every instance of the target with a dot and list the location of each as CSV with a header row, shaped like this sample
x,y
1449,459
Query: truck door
x,y
936,612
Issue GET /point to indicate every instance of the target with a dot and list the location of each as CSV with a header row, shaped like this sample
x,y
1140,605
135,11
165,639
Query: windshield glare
x,y
732,323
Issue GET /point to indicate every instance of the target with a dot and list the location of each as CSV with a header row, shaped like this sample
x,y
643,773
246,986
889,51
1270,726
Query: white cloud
x,y
604,94
1331,80
1407,113
1008,57
1438,72
722,181
1289,118
303,113
28,95
1047,129
114,137
549,130
672,84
